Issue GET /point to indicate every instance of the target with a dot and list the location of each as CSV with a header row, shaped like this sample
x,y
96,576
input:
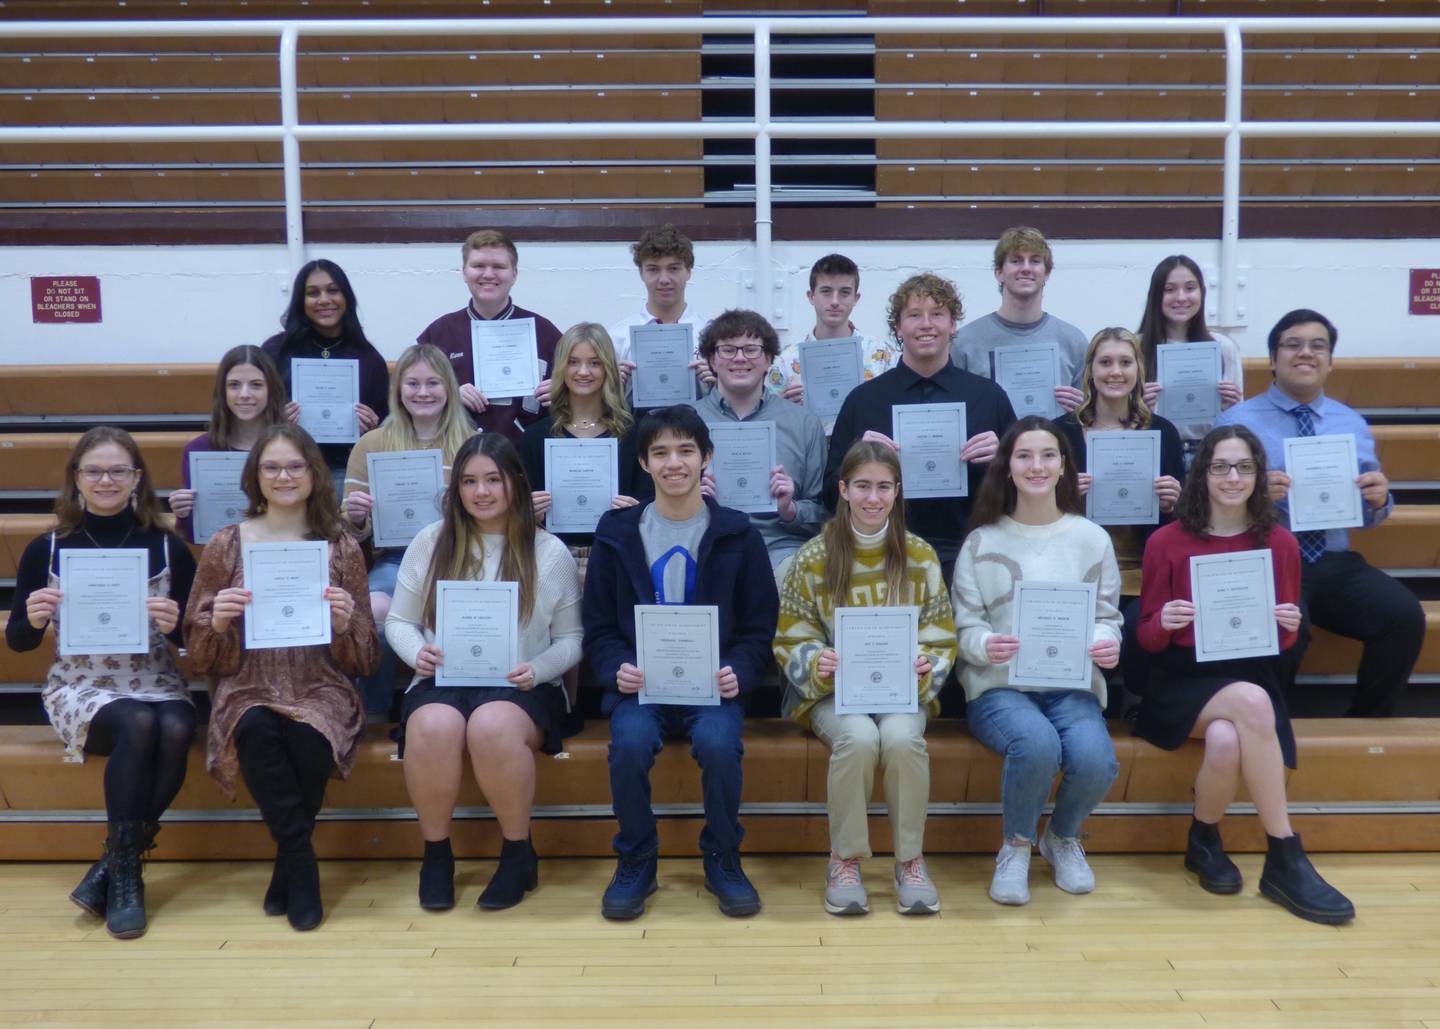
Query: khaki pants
x,y
857,743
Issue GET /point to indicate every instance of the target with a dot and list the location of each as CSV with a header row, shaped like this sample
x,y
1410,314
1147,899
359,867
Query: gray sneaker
x,y
844,889
915,894
1067,857
1011,884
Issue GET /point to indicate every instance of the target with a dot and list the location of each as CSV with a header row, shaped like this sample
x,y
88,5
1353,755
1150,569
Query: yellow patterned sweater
x,y
807,621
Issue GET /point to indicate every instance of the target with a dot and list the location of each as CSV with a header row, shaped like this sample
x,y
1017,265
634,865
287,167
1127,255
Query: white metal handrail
x,y
762,129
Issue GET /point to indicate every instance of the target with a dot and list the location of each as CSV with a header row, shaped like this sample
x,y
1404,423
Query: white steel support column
x,y
1230,195
290,146
764,286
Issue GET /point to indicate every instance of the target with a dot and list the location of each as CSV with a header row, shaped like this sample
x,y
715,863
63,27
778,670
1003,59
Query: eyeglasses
x,y
1222,469
119,474
295,470
728,352
1291,345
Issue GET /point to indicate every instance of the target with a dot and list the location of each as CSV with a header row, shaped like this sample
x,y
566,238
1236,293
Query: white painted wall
x,y
175,304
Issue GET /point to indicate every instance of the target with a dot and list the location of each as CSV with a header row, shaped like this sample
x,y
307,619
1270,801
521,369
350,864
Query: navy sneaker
x,y
633,881
726,879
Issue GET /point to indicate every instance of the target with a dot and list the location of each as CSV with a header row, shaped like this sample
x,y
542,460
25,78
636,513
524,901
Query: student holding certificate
x,y
665,259
488,534
249,395
681,549
864,558
425,415
1028,529
133,708
1237,706
285,717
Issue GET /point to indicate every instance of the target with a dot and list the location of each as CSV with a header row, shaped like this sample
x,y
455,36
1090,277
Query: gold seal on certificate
x,y
677,648
102,602
877,648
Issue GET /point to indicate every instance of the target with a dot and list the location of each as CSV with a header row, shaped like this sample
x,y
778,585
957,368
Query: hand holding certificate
x,y
582,477
408,487
477,628
743,457
662,356
1323,490
677,649
102,602
219,500
1234,597
1189,376
327,391
287,583
1055,623
1029,373
876,647
930,437
1124,466
505,357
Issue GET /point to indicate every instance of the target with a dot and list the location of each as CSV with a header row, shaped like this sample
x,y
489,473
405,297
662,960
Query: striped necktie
x,y
1312,542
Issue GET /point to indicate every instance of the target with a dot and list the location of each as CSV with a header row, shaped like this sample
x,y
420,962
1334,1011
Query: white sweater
x,y
550,641
993,558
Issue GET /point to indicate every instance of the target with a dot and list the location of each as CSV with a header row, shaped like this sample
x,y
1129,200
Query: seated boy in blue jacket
x,y
680,548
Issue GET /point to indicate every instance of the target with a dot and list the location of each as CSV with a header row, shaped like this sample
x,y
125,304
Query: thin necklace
x,y
326,348
584,423
117,546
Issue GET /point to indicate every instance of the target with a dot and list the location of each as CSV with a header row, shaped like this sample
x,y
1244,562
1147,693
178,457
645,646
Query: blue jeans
x,y
1039,734
638,733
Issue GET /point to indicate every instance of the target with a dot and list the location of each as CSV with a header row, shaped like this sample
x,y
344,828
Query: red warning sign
x,y
1425,290
62,299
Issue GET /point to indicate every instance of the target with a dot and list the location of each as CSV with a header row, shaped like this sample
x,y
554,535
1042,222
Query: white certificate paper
x,y
830,369
930,437
1055,622
102,602
677,647
582,477
504,355
1028,373
287,584
1124,466
744,454
409,488
327,392
1323,493
662,356
877,647
477,628
1188,374
1234,598
219,500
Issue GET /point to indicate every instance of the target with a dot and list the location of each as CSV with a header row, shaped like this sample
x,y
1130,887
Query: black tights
x,y
286,765
148,744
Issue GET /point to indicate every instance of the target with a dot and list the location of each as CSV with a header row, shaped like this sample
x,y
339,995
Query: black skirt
x,y
1180,687
546,704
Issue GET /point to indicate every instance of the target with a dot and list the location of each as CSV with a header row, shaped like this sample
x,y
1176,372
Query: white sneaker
x,y
1011,884
1067,857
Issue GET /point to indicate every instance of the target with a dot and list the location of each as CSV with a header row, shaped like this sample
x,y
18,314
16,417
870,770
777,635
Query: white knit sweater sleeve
x,y
1109,623
554,631
972,622
403,628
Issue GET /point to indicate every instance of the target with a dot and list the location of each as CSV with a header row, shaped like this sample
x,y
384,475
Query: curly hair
x,y
1193,508
926,284
666,241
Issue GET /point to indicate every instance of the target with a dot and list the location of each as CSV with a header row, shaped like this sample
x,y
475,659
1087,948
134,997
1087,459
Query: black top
x,y
1172,458
939,521
374,376
634,480
104,532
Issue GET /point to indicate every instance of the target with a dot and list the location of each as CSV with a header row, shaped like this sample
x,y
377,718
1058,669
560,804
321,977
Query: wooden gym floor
x,y
1149,948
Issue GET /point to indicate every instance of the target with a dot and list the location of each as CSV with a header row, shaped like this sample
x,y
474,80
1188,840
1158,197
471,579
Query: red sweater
x,y
1166,577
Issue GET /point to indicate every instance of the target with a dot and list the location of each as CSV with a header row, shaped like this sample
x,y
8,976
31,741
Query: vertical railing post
x,y
290,146
1230,197
764,288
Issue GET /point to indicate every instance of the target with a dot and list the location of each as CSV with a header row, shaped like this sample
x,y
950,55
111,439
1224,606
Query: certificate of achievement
x,y
102,602
408,487
1124,466
662,356
504,356
877,647
477,628
744,454
1029,373
327,392
1188,374
582,477
287,585
830,369
1055,622
1234,598
1323,494
219,500
677,647
930,437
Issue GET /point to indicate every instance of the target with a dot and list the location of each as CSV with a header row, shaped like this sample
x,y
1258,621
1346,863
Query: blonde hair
x,y
482,238
1023,237
926,284
614,415
1138,415
397,432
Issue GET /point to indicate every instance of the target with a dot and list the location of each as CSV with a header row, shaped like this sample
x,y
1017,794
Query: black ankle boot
x,y
1290,880
1205,856
89,896
125,890
437,876
302,900
517,873
277,893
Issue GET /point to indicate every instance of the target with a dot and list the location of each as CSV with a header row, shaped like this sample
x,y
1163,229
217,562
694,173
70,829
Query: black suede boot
x,y
1205,856
278,892
125,890
437,876
1290,880
517,873
89,896
302,901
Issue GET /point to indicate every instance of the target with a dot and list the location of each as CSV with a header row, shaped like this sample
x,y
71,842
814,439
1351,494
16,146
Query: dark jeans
x,y
637,733
1344,595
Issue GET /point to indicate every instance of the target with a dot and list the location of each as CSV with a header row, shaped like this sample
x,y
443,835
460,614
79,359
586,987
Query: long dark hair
x,y
322,514
1193,508
460,538
997,491
69,505
298,328
222,419
840,536
1152,322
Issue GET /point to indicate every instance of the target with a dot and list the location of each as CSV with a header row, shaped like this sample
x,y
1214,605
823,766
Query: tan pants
x,y
857,743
